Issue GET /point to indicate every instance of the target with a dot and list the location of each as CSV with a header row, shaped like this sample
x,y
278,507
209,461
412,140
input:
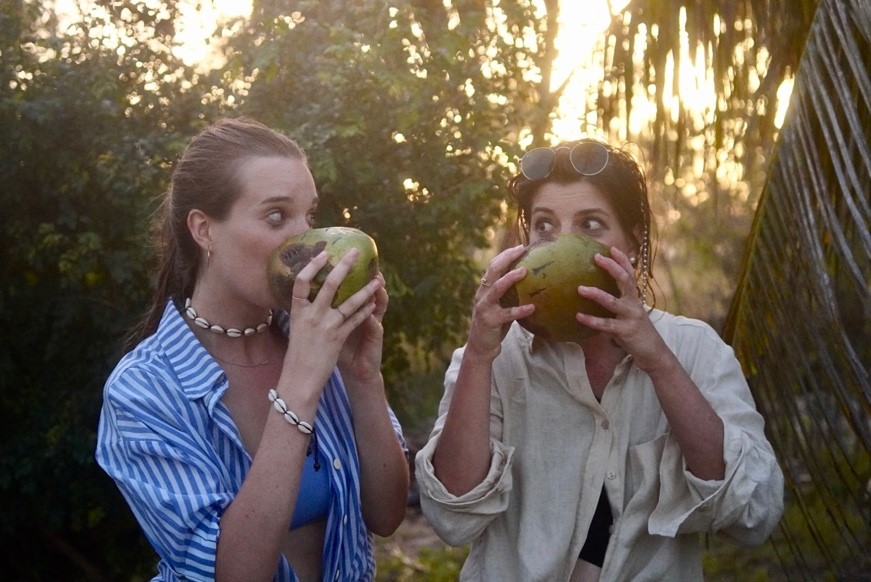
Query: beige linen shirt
x,y
554,446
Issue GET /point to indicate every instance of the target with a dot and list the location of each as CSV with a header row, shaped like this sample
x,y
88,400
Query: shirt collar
x,y
529,340
197,371
534,343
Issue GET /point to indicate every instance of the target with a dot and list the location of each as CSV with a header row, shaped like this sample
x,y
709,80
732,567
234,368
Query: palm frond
x,y
801,319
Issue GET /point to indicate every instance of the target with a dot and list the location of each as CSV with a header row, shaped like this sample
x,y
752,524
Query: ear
x,y
199,225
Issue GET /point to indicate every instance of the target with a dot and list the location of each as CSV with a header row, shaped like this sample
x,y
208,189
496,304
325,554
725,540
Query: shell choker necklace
x,y
229,331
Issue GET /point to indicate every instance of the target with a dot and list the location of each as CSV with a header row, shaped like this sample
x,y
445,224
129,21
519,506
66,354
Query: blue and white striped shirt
x,y
175,453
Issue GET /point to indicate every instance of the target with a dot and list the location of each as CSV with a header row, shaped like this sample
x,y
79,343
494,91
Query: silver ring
x,y
339,309
484,282
299,298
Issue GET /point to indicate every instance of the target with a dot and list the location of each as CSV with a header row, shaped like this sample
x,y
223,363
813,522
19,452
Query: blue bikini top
x,y
313,498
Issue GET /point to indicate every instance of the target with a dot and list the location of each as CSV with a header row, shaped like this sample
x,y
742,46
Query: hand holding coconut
x,y
627,323
491,318
335,269
311,308
360,358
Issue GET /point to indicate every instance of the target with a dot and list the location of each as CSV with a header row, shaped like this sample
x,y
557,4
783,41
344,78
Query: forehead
x,y
266,177
573,196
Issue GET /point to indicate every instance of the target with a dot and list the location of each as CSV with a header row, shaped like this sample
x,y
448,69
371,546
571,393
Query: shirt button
x,y
338,573
337,464
345,520
612,475
606,425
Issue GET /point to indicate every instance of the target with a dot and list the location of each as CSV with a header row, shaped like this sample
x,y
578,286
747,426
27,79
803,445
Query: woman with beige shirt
x,y
601,460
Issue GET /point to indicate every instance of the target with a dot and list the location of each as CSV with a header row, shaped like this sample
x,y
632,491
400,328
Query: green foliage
x,y
722,559
85,139
431,564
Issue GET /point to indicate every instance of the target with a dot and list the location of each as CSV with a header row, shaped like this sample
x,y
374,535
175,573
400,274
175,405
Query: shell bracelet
x,y
289,415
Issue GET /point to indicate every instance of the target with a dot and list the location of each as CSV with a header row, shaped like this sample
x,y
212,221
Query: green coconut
x,y
555,269
296,252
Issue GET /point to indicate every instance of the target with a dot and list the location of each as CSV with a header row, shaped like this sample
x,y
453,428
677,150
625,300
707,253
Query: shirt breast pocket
x,y
643,464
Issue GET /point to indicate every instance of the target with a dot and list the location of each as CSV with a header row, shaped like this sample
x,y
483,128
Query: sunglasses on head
x,y
588,158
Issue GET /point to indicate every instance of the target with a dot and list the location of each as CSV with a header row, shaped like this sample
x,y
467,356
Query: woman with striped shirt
x,y
225,484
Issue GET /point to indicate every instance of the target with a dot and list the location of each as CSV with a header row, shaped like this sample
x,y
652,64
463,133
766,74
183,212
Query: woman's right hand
x,y
462,456
490,320
317,330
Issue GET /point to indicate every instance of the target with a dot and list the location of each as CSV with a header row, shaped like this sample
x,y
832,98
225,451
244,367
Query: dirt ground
x,y
414,534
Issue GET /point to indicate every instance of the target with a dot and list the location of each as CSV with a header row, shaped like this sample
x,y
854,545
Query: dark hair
x,y
205,179
622,180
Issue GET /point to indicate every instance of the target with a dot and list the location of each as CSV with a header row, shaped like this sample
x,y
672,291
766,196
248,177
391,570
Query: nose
x,y
300,225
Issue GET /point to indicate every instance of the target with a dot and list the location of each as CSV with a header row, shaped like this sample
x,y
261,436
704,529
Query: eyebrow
x,y
286,199
274,199
594,210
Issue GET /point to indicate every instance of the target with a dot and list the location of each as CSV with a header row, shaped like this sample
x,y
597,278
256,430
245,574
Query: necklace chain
x,y
229,331
263,363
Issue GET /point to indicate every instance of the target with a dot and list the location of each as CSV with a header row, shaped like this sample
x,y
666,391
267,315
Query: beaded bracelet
x,y
289,415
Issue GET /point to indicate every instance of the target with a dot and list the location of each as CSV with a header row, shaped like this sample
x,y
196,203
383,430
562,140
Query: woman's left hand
x,y
694,423
631,327
360,357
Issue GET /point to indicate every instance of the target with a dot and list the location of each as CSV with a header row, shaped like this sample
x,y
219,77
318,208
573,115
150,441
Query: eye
x,y
310,218
542,226
592,225
275,218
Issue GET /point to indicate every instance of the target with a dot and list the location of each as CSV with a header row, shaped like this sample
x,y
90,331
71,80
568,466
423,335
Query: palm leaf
x,y
801,318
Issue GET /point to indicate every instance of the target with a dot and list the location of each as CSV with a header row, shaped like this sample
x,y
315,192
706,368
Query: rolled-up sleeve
x,y
460,519
748,503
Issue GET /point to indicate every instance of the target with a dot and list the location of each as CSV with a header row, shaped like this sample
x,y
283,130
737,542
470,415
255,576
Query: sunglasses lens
x,y
589,158
536,164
